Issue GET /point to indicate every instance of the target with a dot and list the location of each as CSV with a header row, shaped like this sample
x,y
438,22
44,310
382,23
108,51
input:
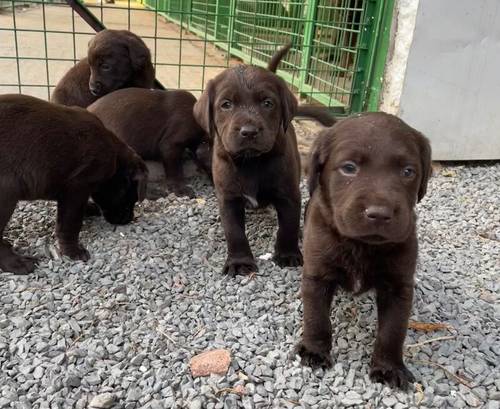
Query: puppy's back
x,y
44,144
141,117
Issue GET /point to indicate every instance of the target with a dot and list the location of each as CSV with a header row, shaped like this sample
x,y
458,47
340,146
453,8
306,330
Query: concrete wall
x,y
442,75
403,26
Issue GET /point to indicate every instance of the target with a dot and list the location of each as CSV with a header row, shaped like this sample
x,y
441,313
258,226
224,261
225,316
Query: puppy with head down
x,y
51,152
116,59
247,112
157,124
366,174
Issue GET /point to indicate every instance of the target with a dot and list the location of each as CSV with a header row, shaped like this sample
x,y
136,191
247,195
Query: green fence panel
x,y
337,56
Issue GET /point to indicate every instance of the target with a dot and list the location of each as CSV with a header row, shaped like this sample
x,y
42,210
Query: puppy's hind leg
x,y
70,211
287,252
10,261
171,155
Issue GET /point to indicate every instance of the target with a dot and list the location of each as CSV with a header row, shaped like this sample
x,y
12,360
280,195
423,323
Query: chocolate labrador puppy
x,y
366,174
247,112
116,59
51,152
158,125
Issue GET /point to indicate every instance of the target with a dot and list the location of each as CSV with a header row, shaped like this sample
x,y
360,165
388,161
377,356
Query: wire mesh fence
x,y
335,43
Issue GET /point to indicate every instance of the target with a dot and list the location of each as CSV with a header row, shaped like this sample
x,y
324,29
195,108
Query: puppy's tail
x,y
277,57
320,114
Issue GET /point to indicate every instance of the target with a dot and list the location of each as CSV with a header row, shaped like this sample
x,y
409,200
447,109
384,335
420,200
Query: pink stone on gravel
x,y
210,362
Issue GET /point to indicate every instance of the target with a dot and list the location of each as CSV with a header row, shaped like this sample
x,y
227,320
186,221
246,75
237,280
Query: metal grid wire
x,y
333,60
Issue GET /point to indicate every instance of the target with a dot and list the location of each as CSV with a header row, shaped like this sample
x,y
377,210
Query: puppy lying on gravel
x,y
51,152
366,174
247,112
116,59
157,125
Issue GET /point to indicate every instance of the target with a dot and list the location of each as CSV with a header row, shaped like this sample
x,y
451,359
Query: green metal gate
x,y
337,56
339,46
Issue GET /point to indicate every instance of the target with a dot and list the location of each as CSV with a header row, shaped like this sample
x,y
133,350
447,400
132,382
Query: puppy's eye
x,y
226,105
105,67
349,169
409,172
268,103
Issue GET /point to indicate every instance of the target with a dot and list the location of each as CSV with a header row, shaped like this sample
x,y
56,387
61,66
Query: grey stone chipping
x,y
118,331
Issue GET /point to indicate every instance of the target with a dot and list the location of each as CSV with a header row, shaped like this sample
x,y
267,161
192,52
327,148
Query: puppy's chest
x,y
355,270
255,186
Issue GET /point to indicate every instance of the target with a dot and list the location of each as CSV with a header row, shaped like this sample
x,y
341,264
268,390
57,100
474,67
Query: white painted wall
x,y
442,75
403,26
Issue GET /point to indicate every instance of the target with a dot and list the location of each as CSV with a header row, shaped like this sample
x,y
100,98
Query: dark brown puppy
x,y
116,59
247,111
51,152
366,174
158,125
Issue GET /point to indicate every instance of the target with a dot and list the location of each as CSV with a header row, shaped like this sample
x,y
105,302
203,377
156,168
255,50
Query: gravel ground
x,y
125,324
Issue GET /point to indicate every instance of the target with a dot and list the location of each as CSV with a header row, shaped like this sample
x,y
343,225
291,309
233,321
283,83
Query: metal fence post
x,y
380,46
216,20
372,53
230,27
311,9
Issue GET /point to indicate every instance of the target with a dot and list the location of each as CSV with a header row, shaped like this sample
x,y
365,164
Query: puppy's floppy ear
x,y
318,156
140,59
288,105
138,52
424,147
203,110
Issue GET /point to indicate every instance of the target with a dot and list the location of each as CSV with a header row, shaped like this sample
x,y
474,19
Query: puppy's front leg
x,y
316,343
70,211
239,256
287,252
393,308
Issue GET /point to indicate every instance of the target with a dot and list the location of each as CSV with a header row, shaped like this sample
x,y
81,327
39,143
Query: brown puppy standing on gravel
x,y
51,152
366,174
158,125
116,59
247,111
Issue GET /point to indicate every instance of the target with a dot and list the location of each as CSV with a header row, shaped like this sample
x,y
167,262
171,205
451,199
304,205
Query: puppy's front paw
x,y
181,190
239,266
77,252
16,264
395,375
288,259
155,192
315,359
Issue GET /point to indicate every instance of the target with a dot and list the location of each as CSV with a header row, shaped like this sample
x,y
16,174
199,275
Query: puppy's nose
x,y
379,213
249,131
95,88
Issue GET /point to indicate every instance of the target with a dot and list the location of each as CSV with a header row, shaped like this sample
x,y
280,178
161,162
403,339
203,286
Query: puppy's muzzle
x,y
249,141
249,132
379,223
95,88
379,214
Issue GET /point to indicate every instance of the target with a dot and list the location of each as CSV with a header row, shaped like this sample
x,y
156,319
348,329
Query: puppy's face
x,y
247,108
115,56
118,196
372,170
